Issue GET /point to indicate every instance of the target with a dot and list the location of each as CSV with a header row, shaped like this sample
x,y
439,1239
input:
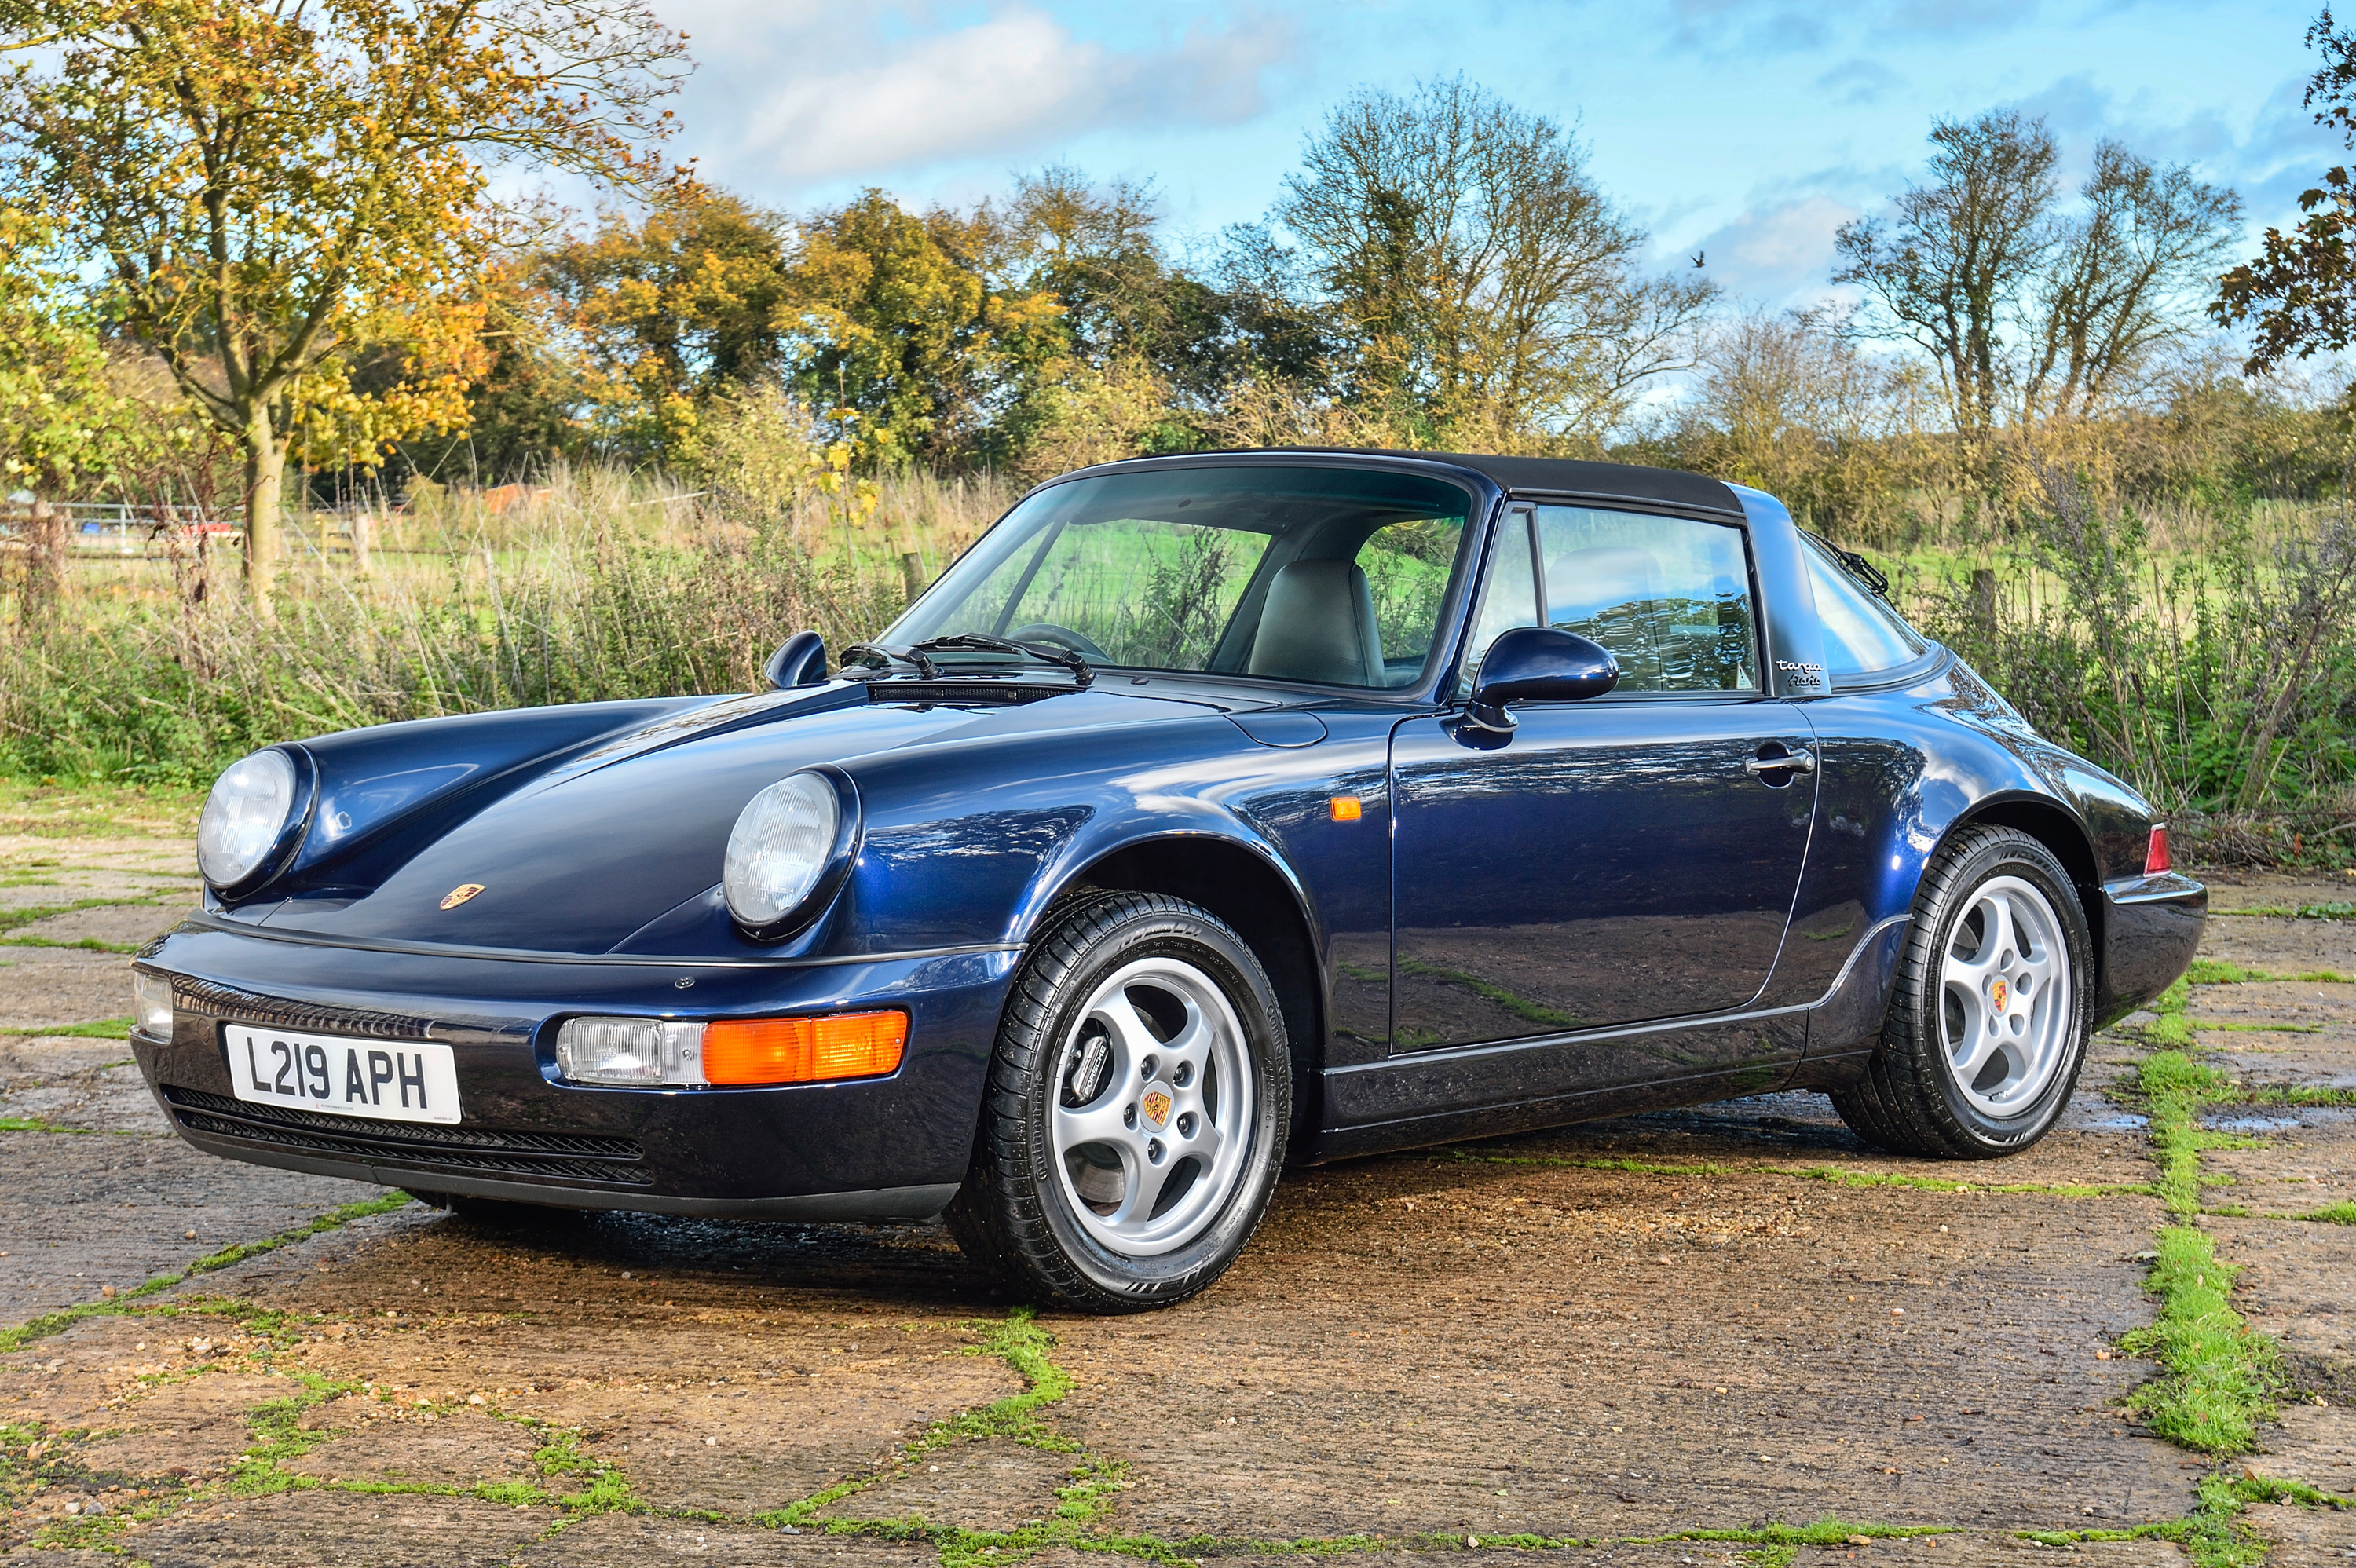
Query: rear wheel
x,y
1136,1115
1989,1027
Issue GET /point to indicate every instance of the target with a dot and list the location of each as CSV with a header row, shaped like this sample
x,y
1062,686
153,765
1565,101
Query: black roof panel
x,y
1566,475
1529,476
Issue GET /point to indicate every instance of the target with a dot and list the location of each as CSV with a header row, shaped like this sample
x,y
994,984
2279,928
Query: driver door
x,y
1612,861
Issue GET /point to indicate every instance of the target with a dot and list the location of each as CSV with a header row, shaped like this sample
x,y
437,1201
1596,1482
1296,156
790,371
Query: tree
x,y
1787,402
1487,288
62,420
661,310
895,327
2300,293
2119,275
273,187
1948,270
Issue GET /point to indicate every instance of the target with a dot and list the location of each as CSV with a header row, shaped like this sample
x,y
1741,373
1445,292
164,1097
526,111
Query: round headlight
x,y
779,848
244,815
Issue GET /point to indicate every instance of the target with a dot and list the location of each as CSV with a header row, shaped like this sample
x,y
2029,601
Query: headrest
x,y
1318,625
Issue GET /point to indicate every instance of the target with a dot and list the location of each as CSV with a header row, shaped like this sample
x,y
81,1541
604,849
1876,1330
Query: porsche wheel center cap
x,y
1999,994
1155,1108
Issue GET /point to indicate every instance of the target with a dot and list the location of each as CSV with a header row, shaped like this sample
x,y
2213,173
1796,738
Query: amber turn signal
x,y
2154,855
804,1050
1343,808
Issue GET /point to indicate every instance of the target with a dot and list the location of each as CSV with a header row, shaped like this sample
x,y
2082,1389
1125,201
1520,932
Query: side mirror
x,y
800,660
1538,664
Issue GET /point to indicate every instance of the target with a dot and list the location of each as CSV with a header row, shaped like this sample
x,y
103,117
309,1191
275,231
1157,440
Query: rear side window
x,y
1670,597
1863,635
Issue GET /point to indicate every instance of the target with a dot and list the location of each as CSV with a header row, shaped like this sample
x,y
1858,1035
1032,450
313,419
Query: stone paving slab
x,y
28,1061
2315,1443
1509,1350
2306,1159
80,1212
997,1485
2282,946
2305,1537
618,1541
382,1442
42,988
109,1096
313,1530
1981,1549
2295,1280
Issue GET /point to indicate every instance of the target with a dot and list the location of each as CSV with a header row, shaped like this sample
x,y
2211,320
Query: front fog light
x,y
630,1050
151,1003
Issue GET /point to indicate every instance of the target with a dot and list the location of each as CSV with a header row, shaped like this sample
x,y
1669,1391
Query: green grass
x,y
104,1028
2217,971
2334,909
2218,1376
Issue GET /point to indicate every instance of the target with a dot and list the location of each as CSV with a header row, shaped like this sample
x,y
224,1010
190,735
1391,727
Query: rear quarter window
x,y
1863,635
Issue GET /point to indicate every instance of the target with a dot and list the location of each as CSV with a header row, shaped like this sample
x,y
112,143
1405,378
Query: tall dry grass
x,y
597,584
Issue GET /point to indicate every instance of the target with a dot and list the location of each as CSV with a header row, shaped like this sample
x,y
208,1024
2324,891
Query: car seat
x,y
1318,624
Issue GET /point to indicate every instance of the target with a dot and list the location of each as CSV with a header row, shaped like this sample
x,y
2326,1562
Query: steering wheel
x,y
1062,636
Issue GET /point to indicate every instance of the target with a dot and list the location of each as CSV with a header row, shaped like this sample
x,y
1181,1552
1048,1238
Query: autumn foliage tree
x,y
2298,294
269,190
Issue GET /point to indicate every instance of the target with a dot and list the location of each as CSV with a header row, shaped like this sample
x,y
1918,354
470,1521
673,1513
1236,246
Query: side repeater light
x,y
661,1053
2155,856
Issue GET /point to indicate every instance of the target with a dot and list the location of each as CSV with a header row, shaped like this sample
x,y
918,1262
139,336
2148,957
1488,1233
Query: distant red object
x,y
501,499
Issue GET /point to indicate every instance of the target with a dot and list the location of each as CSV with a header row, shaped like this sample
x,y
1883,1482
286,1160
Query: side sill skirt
x,y
1622,1031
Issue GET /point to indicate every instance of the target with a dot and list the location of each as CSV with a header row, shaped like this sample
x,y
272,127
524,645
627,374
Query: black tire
x,y
1016,1215
1911,1100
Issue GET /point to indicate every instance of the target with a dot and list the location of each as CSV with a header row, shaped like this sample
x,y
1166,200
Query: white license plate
x,y
393,1081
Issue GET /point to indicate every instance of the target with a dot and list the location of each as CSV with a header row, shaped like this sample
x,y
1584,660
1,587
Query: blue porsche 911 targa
x,y
1212,812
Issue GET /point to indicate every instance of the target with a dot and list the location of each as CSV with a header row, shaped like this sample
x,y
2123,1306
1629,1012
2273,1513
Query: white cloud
x,y
1859,81
803,95
1777,255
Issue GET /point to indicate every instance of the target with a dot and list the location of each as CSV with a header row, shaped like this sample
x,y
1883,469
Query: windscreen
x,y
1331,575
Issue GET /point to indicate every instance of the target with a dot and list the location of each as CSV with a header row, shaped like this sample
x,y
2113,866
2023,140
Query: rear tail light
x,y
2155,856
659,1051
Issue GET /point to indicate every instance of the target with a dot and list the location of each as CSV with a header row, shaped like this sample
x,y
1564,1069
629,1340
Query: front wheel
x,y
1990,1024
1137,1109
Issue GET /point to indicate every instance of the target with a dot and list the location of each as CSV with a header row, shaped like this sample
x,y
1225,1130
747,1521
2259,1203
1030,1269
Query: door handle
x,y
1799,760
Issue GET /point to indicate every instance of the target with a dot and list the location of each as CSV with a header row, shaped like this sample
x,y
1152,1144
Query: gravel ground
x,y
1419,1355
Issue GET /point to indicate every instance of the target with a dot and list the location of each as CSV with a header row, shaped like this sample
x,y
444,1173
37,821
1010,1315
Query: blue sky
x,y
1747,129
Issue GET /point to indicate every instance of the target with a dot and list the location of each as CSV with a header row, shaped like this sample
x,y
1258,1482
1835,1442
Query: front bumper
x,y
2151,928
884,1147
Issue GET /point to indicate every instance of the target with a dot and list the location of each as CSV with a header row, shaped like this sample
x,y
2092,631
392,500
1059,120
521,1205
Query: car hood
x,y
581,844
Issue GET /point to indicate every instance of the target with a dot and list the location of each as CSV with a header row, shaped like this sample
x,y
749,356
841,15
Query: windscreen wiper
x,y
1856,566
974,642
874,655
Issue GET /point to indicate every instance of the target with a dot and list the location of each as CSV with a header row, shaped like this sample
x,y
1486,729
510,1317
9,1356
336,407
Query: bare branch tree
x,y
1488,287
1948,270
2116,290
